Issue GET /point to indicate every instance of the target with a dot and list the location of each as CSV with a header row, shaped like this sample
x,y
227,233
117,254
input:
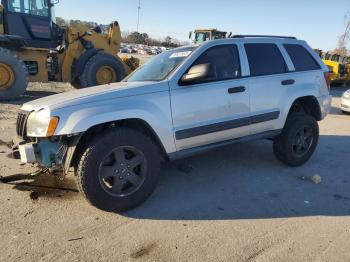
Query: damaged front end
x,y
52,153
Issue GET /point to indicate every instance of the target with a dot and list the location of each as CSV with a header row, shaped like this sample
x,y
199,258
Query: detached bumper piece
x,y
24,151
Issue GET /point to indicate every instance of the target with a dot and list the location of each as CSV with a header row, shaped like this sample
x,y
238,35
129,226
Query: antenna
x,y
138,15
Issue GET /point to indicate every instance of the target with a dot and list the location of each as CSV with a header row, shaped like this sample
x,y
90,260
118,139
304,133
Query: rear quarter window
x,y
301,58
265,59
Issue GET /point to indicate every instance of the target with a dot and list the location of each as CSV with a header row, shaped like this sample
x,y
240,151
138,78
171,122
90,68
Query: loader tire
x,y
13,75
101,69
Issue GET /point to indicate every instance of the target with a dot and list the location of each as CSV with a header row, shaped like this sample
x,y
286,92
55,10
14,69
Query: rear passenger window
x,y
301,58
265,59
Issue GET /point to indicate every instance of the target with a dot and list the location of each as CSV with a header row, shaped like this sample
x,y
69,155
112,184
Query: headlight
x,y
347,94
41,124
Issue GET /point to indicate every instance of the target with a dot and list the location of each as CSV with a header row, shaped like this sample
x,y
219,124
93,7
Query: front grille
x,y
21,127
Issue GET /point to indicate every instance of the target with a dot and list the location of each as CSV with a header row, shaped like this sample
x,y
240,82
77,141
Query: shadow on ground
x,y
245,181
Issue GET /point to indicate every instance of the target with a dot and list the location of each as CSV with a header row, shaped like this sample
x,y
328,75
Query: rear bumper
x,y
325,105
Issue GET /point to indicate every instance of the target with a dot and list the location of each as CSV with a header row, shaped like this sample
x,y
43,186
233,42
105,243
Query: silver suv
x,y
182,102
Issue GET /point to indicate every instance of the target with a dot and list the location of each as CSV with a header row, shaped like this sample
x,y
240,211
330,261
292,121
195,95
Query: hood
x,y
93,94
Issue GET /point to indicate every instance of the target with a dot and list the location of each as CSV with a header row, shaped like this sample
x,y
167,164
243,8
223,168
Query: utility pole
x,y
138,15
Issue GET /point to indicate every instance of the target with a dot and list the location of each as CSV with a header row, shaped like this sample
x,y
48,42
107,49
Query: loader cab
x,y
33,20
202,35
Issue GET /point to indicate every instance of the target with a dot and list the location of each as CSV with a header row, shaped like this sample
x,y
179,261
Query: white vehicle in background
x,y
345,102
181,103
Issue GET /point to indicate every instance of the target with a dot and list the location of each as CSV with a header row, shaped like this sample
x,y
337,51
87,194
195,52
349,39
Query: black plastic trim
x,y
226,125
202,149
265,117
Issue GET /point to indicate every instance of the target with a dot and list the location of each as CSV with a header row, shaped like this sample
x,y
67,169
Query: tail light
x,y
327,77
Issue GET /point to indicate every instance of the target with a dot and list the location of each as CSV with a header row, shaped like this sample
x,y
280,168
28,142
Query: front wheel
x,y
119,170
298,140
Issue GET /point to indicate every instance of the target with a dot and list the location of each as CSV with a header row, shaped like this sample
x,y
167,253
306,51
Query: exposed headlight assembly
x,y
41,124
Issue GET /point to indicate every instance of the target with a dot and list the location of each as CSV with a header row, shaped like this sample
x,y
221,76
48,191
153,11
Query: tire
x,y
19,75
88,77
102,189
291,147
345,112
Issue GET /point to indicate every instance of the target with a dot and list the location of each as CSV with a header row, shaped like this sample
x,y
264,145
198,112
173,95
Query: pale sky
x,y
319,22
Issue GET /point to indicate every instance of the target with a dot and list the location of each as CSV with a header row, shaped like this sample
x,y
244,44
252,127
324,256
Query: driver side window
x,y
224,61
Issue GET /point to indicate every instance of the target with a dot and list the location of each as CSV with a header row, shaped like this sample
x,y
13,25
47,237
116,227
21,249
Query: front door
x,y
215,109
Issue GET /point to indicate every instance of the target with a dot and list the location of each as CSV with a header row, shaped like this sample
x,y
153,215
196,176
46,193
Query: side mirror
x,y
197,73
190,36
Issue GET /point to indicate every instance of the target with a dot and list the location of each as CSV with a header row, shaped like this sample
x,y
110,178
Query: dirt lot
x,y
234,204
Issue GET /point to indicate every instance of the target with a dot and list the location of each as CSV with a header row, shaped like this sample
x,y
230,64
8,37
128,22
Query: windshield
x,y
159,67
201,37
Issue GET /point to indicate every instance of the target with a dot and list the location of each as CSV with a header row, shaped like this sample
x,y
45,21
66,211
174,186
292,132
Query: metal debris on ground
x,y
75,239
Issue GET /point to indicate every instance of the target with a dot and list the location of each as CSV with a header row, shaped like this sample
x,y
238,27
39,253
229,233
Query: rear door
x,y
213,110
268,83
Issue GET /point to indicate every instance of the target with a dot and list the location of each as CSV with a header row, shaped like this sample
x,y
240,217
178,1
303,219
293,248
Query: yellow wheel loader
x,y
34,48
339,66
202,35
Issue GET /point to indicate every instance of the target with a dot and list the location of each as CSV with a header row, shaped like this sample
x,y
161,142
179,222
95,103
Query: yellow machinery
x,y
339,67
34,48
202,35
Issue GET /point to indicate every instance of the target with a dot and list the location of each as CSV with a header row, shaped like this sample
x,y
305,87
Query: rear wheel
x,y
13,75
298,140
102,69
119,170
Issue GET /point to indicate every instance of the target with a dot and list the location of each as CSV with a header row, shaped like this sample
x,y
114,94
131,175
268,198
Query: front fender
x,y
154,109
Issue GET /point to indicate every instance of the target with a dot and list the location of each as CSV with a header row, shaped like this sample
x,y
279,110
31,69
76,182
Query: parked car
x,y
124,50
345,102
182,102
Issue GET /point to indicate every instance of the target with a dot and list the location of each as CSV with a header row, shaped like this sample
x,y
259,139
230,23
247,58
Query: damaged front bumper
x,y
51,153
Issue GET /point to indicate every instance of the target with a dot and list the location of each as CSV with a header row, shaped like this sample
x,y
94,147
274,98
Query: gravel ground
x,y
234,204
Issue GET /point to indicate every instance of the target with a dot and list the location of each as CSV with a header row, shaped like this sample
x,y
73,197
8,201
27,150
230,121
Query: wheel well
x,y
135,123
307,105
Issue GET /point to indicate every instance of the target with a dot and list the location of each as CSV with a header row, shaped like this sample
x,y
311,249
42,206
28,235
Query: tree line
x,y
127,37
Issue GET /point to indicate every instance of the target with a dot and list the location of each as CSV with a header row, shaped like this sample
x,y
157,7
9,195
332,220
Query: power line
x,y
138,16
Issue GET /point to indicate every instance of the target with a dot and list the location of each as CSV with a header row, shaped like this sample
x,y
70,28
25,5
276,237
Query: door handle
x,y
237,89
288,82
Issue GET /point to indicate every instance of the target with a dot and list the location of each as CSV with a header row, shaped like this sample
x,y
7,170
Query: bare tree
x,y
344,38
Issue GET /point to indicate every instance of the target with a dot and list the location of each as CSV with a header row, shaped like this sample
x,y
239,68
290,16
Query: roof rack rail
x,y
272,36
